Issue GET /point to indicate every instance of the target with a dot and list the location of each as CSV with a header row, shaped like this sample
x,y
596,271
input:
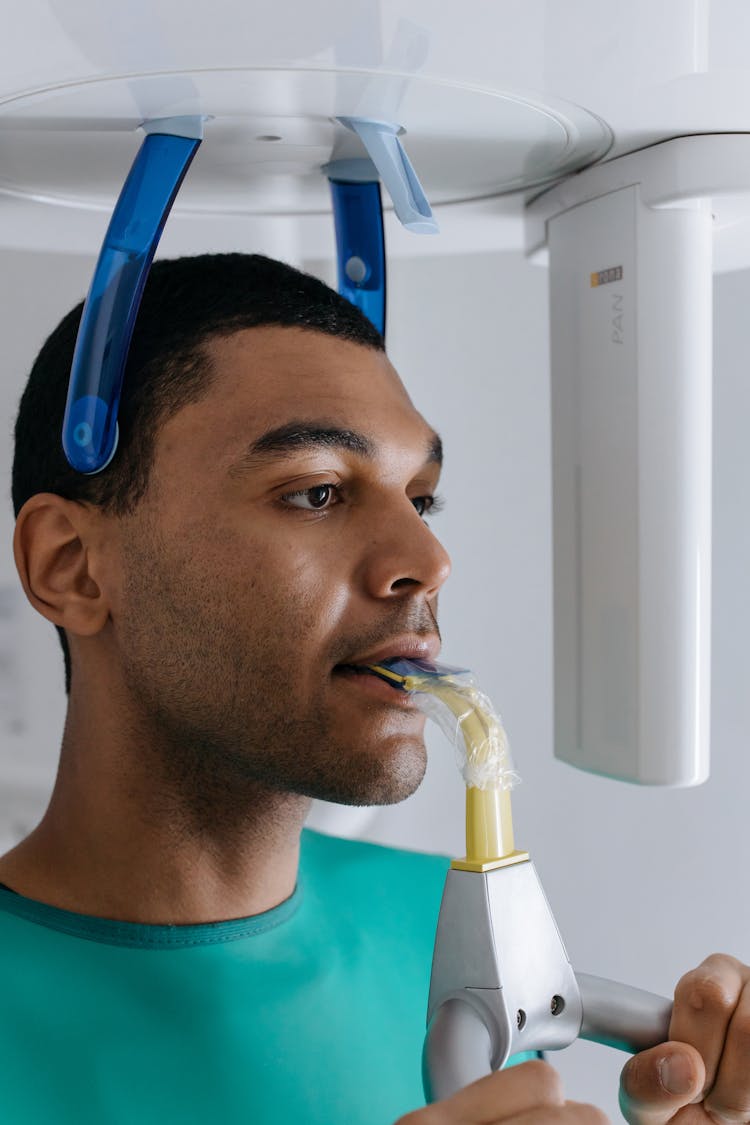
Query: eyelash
x,y
433,504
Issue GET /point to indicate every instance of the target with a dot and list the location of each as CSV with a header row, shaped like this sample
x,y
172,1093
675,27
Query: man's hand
x,y
528,1094
702,1075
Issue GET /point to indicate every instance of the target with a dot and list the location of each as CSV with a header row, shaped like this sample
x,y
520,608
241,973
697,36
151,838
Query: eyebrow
x,y
293,436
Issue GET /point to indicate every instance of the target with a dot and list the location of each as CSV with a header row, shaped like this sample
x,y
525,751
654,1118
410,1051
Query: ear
x,y
55,548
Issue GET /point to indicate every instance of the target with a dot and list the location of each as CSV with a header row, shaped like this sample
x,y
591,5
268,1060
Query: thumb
x,y
656,1084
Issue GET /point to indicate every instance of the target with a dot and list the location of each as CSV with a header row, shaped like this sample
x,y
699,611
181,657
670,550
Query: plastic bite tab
x,y
412,674
90,429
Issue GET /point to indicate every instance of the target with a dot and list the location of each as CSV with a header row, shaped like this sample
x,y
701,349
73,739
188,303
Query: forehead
x,y
263,377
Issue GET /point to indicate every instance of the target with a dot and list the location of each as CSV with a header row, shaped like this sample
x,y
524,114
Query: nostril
x,y
401,583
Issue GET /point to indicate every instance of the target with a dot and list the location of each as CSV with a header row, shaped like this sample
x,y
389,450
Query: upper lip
x,y
408,646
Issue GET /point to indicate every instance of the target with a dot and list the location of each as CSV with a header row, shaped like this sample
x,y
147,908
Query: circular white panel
x,y
269,132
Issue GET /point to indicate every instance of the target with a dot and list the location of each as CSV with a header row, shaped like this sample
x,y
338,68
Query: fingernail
x,y
676,1074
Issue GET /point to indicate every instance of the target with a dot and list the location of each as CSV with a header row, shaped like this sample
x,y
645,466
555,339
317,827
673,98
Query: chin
x,y
379,778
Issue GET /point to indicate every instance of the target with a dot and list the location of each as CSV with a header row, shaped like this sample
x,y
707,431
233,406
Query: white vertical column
x,y
630,297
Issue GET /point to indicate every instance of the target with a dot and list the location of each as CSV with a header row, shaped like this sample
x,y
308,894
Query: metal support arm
x,y
502,984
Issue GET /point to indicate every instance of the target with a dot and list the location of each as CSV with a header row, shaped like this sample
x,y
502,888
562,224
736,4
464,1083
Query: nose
x,y
403,556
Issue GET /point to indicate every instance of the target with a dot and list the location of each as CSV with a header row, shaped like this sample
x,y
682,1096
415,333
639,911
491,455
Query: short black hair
x,y
186,302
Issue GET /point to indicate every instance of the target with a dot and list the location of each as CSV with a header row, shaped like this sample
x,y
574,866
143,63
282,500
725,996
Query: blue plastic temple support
x,y
358,212
90,426
360,247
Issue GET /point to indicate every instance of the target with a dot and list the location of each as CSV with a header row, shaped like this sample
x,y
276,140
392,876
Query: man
x,y
176,949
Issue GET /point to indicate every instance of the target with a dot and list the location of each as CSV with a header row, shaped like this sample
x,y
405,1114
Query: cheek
x,y
287,587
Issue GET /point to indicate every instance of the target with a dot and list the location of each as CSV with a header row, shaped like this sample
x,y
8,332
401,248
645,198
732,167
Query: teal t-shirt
x,y
309,1014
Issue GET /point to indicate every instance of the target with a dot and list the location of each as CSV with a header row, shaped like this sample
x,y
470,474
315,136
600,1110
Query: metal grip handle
x,y
620,1016
457,1050
458,1046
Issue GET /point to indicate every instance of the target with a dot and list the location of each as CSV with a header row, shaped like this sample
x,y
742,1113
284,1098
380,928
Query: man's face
x,y
281,537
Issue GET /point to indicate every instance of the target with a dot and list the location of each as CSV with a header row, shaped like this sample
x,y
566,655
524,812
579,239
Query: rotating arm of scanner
x,y
90,425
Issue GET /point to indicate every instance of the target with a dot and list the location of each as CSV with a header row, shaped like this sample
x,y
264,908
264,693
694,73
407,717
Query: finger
x,y
730,1096
655,1084
572,1113
704,1002
505,1094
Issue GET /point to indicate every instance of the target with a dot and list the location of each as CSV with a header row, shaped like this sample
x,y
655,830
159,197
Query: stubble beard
x,y
221,726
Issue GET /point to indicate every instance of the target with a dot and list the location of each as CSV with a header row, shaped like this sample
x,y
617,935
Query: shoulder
x,y
336,853
374,876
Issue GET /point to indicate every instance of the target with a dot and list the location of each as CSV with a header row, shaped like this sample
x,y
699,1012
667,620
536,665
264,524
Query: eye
x,y
427,505
315,499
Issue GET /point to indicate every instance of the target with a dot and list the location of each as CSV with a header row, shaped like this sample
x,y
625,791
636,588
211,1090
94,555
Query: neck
x,y
129,834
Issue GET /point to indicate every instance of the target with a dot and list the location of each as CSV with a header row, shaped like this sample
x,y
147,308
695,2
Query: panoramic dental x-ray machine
x,y
629,249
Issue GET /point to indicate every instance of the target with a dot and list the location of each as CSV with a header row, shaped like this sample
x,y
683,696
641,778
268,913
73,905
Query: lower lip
x,y
375,688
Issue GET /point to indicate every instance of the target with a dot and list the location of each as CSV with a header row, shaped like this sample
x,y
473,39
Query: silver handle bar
x,y
459,1050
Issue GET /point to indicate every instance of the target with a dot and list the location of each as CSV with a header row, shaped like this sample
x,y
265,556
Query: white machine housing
x,y
496,101
630,266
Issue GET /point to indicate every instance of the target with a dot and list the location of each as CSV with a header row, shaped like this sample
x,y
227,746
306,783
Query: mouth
x,y
358,669
358,672
372,685
363,670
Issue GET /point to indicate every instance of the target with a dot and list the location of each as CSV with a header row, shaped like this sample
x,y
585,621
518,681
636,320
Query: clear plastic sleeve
x,y
451,698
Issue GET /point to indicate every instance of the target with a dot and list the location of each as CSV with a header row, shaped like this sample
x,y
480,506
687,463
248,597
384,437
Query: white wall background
x,y
644,884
